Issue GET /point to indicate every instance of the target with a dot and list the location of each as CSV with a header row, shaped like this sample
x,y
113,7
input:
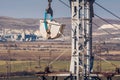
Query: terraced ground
x,y
59,78
50,50
34,50
32,66
35,56
19,66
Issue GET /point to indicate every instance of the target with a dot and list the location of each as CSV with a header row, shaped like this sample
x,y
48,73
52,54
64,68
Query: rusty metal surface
x,y
53,74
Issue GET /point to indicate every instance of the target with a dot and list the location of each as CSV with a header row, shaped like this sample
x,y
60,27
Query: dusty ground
x,y
34,50
50,50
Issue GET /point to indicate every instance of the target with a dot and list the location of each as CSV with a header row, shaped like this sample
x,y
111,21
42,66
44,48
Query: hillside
x,y
32,26
21,50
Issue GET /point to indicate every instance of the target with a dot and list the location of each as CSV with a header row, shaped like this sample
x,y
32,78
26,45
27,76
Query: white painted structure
x,y
55,29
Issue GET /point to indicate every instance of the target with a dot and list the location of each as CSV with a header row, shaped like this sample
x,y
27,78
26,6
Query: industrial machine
x,y
49,28
81,19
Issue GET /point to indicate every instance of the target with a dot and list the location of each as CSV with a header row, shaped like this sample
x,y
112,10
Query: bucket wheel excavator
x,y
82,57
49,28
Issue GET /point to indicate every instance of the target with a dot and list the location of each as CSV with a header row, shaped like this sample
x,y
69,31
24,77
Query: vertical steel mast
x,y
81,58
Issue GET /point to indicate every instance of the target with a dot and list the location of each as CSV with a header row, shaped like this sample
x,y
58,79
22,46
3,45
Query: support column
x,y
81,38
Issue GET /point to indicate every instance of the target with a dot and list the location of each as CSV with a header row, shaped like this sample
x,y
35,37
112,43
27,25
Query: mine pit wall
x,y
32,50
50,50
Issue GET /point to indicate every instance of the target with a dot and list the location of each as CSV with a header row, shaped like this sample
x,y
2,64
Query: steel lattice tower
x,y
81,58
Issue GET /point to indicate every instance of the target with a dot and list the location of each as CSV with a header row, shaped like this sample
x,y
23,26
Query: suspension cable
x,y
107,21
98,17
108,11
64,3
106,61
97,26
104,29
58,57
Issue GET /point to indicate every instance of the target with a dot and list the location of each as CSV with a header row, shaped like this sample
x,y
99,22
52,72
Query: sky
x,y
36,8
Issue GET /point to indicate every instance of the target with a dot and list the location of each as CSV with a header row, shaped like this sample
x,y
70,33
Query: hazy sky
x,y
35,8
